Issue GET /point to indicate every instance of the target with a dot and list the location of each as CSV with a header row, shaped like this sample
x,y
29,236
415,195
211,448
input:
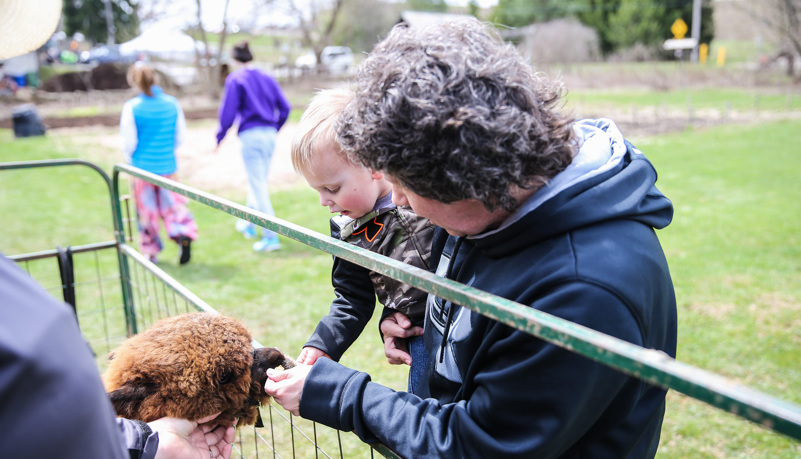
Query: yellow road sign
x,y
679,28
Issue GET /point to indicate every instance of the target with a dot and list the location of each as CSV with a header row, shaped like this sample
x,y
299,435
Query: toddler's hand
x,y
309,355
396,327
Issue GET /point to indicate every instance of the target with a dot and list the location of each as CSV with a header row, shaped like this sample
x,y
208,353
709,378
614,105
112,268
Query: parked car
x,y
336,60
306,61
105,53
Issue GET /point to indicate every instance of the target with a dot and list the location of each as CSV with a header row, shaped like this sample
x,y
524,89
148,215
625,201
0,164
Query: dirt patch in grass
x,y
221,172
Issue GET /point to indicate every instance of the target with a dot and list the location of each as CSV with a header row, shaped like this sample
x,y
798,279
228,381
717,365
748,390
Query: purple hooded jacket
x,y
254,99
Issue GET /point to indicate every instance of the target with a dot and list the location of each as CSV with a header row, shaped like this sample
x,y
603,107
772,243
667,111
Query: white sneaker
x,y
246,228
267,244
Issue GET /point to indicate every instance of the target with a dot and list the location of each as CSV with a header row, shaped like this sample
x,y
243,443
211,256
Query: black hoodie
x,y
583,248
53,402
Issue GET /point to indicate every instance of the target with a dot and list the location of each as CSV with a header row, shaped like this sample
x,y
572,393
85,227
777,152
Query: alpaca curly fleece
x,y
191,366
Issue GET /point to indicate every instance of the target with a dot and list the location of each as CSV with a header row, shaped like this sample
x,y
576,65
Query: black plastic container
x,y
26,121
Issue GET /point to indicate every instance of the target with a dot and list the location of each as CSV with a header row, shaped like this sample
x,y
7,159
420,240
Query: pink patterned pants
x,y
154,203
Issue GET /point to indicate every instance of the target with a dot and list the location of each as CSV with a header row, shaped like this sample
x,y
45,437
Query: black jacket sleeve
x,y
350,311
138,438
54,404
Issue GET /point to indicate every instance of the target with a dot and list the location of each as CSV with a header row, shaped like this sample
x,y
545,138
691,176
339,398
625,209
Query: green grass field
x,y
720,99
733,249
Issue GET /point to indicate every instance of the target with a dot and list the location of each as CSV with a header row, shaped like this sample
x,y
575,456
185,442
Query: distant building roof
x,y
427,19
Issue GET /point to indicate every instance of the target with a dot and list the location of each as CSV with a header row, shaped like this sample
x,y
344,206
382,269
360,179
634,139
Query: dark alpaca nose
x,y
265,358
270,357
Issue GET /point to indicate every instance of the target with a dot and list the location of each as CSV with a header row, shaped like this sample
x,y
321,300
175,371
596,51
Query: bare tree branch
x,y
315,35
783,18
223,34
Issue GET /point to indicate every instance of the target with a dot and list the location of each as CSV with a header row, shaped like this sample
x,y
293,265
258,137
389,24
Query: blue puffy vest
x,y
155,118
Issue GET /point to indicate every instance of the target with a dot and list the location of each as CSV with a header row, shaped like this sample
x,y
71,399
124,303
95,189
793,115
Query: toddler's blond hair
x,y
316,127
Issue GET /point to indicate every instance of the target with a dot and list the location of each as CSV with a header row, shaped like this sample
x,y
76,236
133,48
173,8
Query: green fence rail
x,y
653,366
148,293
116,216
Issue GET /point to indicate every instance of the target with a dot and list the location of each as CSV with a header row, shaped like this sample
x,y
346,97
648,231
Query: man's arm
x,y
529,398
51,389
49,381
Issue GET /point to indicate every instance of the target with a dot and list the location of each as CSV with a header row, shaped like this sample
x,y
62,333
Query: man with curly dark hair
x,y
534,206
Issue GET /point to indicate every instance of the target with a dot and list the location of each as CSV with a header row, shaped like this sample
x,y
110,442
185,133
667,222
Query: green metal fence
x,y
120,292
650,365
655,367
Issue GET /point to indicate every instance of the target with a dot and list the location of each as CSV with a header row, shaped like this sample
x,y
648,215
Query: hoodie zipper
x,y
452,307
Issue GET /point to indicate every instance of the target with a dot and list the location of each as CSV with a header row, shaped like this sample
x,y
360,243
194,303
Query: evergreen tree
x,y
636,22
596,14
622,23
438,6
89,18
472,7
353,31
520,13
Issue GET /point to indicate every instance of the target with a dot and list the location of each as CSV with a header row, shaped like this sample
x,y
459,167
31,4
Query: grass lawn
x,y
733,249
727,100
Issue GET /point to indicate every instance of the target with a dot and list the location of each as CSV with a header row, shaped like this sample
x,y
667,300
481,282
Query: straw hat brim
x,y
25,25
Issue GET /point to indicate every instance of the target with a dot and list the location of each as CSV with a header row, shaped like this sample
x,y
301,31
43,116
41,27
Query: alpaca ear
x,y
127,398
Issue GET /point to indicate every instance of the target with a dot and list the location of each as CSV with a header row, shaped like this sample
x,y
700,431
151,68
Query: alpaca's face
x,y
263,359
190,366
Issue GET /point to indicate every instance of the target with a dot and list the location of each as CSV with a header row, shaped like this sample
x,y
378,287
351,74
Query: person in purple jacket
x,y
255,100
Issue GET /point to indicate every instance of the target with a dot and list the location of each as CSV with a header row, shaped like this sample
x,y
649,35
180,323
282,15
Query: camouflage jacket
x,y
395,232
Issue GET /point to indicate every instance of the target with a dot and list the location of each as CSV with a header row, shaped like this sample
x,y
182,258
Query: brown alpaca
x,y
191,366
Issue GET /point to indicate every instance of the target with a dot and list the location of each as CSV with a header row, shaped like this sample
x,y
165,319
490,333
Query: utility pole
x,y
696,28
110,23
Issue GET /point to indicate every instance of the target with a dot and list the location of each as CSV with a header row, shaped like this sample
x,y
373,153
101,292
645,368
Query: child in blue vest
x,y
152,126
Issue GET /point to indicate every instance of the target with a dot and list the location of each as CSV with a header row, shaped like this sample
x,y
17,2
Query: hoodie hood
x,y
607,169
